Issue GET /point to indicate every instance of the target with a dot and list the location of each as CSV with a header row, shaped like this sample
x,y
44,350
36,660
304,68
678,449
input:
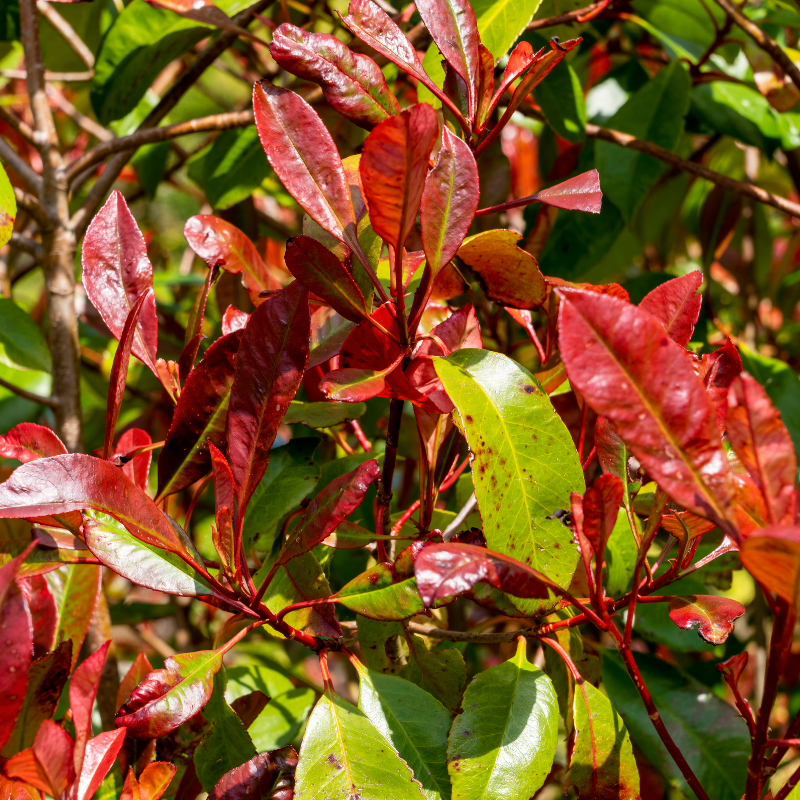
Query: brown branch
x,y
50,402
64,77
24,130
14,160
26,244
32,205
215,122
81,120
67,32
570,16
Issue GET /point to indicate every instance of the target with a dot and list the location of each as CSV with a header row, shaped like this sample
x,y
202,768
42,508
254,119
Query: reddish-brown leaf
x,y
351,385
628,370
676,305
138,467
772,557
611,451
763,445
29,441
258,777
17,790
685,526
712,616
352,83
601,504
269,368
101,753
44,612
199,417
188,356
117,272
82,692
47,765
17,628
233,320
224,493
138,671
718,369
443,570
393,167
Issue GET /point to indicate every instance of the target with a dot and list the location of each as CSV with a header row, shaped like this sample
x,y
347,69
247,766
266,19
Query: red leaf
x,y
449,201
101,752
269,368
337,501
718,369
611,451
119,371
221,244
76,482
29,441
117,272
233,320
712,616
620,359
733,667
188,356
763,445
17,628
685,526
772,557
356,385
258,777
676,305
519,61
17,790
82,692
138,671
48,764
601,504
443,570
202,11
138,467
199,418
155,779
393,167
352,83
224,488
581,193
44,613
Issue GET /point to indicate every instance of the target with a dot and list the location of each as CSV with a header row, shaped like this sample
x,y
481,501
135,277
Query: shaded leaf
x,y
29,441
718,370
379,593
15,622
133,677
22,345
676,305
138,467
258,776
772,557
600,510
82,692
76,588
713,617
47,765
323,415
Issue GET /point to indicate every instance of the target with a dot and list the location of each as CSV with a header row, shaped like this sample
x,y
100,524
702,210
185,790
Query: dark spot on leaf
x,y
333,761
528,389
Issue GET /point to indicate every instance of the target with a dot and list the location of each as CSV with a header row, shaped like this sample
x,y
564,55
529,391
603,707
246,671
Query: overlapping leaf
x,y
676,305
29,441
713,617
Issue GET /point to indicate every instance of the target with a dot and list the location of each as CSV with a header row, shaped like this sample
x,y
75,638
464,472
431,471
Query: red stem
x,y
359,434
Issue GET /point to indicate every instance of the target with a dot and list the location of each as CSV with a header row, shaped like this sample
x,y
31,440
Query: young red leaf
x,y
443,570
44,612
233,320
763,444
167,697
685,526
772,557
449,202
138,671
82,692
117,272
581,193
393,167
199,418
269,368
76,482
29,441
221,244
601,504
340,498
352,83
198,311
224,492
627,369
519,61
188,356
611,451
224,487
676,305
119,371
47,765
136,468
453,27
712,616
267,775
325,276
718,369
155,779
351,385
101,752
17,633
733,667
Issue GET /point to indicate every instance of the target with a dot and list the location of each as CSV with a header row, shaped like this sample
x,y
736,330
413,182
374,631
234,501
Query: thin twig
x,y
23,129
460,517
563,19
64,77
26,244
50,402
81,120
67,32
32,205
14,160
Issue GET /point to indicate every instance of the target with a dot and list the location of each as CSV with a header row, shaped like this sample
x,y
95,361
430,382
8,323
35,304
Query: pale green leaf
x,y
22,345
8,207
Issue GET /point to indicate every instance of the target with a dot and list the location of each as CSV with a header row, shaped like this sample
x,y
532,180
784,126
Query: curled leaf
x,y
712,616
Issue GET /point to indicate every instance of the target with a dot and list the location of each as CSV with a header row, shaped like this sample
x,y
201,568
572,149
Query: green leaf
x,y
525,465
620,556
560,97
504,741
709,732
246,678
343,755
415,722
602,764
688,22
282,720
8,207
232,168
378,593
323,415
654,113
227,744
290,477
22,345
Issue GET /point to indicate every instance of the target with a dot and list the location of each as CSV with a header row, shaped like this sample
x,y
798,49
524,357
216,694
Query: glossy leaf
x,y
167,697
772,556
321,272
258,776
763,444
352,83
611,451
449,202
685,526
414,722
29,441
619,358
15,622
602,766
509,275
338,500
269,367
138,467
8,208
82,692
504,741
233,320
344,755
151,784
581,193
47,765
117,272
718,370
601,505
101,753
393,167
199,418
379,593
713,617
532,468
76,588
138,671
676,305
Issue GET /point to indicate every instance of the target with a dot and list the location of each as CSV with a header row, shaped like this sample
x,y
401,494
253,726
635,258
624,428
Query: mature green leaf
x,y
709,732
560,97
381,594
343,755
283,718
415,722
525,464
290,477
654,113
688,22
227,744
22,345
602,765
323,415
246,678
620,556
504,741
8,207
